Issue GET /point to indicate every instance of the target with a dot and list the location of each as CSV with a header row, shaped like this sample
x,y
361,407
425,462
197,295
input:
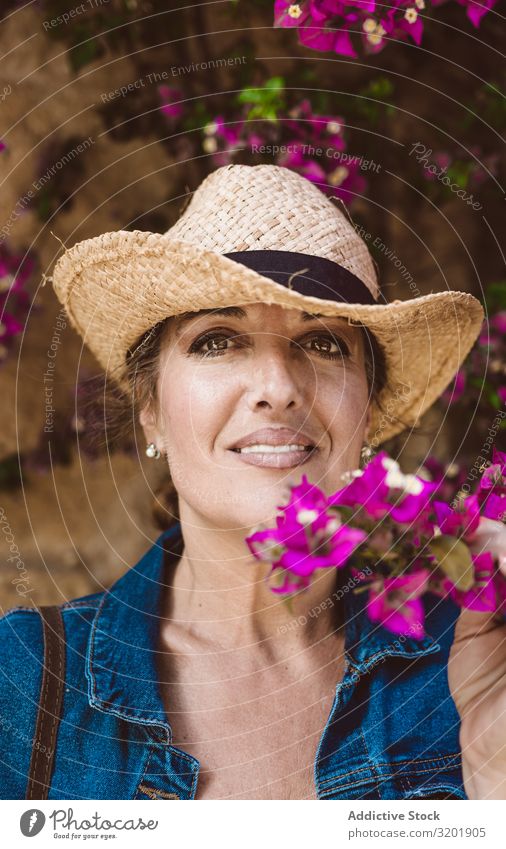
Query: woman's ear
x,y
147,420
368,417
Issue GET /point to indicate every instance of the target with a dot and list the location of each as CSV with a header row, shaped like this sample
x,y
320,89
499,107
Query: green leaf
x,y
266,101
250,95
459,173
493,399
275,83
495,296
454,559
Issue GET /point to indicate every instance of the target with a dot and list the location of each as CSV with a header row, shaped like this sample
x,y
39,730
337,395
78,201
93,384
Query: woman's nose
x,y
276,380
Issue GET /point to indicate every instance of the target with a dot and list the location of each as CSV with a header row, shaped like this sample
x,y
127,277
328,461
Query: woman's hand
x,y
477,678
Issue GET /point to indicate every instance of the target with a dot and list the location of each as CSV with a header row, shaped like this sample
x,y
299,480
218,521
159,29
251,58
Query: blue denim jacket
x,y
392,732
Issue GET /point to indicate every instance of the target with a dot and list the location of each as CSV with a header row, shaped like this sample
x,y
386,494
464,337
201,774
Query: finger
x,y
473,623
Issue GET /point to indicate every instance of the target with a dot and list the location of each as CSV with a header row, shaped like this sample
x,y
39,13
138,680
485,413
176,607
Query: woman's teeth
x,y
272,449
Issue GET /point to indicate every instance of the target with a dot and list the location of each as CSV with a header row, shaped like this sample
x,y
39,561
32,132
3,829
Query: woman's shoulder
x,y
21,633
21,628
21,668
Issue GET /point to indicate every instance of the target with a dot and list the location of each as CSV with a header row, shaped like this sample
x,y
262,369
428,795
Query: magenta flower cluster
x,y
15,270
171,99
328,25
392,523
484,371
314,145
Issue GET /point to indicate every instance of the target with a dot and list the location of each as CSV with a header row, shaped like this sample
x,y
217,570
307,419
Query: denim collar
x,y
121,664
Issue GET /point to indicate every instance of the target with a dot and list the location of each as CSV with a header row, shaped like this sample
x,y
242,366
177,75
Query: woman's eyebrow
x,y
231,312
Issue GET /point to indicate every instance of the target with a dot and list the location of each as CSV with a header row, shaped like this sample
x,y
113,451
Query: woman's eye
x,y
324,344
330,346
217,346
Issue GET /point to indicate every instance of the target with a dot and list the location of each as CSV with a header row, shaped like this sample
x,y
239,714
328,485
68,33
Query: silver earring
x,y
366,454
152,451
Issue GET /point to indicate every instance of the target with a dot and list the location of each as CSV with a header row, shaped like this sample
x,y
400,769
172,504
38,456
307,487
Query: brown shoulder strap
x,y
51,696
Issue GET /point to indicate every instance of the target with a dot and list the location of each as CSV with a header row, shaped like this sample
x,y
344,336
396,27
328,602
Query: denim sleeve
x,y
21,661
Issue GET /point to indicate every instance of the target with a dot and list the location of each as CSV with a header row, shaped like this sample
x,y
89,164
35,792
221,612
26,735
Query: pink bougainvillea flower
x,y
306,496
9,326
325,40
304,165
485,368
492,488
15,270
498,322
311,18
366,487
300,133
169,97
307,537
411,23
441,158
499,457
342,180
337,172
462,521
340,546
448,478
319,532
324,128
288,14
229,131
412,504
327,25
346,181
264,545
456,390
494,507
482,596
476,10
381,488
396,603
494,476
15,300
222,138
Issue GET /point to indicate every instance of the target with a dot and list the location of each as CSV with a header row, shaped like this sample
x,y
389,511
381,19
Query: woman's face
x,y
225,374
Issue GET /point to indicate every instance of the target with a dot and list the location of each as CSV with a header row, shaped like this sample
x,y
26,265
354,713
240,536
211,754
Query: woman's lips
x,y
285,460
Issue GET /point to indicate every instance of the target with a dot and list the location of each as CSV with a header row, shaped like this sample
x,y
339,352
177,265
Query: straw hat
x,y
264,233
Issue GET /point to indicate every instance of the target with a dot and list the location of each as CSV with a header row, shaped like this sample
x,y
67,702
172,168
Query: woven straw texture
x,y
117,285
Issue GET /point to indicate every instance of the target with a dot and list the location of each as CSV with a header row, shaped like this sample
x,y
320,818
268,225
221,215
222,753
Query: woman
x,y
253,342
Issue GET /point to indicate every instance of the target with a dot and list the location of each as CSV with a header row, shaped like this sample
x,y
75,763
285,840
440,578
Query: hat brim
x,y
117,285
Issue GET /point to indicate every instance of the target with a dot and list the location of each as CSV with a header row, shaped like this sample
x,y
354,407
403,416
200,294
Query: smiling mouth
x,y
275,456
272,449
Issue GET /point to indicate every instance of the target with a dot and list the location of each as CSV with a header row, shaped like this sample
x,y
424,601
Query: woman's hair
x,y
142,365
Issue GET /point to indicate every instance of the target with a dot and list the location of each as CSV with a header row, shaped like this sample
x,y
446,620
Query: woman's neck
x,y
219,594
